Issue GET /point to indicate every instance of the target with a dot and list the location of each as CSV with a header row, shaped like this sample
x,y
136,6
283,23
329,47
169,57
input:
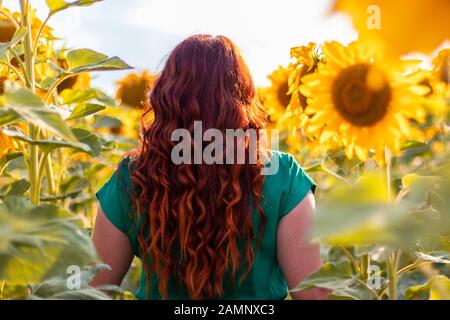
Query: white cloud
x,y
143,31
264,29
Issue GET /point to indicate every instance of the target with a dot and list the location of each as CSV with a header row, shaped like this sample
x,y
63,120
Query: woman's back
x,y
281,193
202,199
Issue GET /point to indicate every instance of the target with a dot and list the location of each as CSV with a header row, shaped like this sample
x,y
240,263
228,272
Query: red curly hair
x,y
197,218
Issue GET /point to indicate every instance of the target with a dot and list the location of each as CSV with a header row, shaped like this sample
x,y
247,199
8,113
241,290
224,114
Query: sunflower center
x,y
283,98
361,94
7,30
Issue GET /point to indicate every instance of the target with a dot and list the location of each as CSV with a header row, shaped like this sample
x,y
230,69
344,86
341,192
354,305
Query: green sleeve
x,y
115,198
300,183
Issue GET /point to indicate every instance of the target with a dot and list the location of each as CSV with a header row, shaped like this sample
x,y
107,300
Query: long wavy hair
x,y
197,218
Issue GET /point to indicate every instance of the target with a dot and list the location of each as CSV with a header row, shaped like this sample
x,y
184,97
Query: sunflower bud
x,y
133,89
7,30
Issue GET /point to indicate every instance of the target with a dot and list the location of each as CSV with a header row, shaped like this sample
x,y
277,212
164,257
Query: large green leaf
x,y
74,184
356,292
90,95
56,288
26,104
37,243
8,117
17,188
361,215
89,138
436,288
106,122
48,144
59,5
338,277
331,275
85,60
85,109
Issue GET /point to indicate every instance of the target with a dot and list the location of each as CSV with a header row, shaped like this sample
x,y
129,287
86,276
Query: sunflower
x,y
78,82
6,144
428,21
129,120
45,45
133,88
305,61
363,99
442,66
441,74
36,24
7,28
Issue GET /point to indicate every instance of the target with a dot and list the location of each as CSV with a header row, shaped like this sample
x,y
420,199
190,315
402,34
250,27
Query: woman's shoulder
x,y
125,169
282,163
289,183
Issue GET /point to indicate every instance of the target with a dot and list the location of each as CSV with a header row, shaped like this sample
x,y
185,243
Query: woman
x,y
207,231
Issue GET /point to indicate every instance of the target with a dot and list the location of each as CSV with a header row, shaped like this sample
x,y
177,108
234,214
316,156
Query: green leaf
x,y
84,57
86,109
26,104
435,258
90,139
9,117
14,292
46,145
361,215
356,292
59,5
106,122
6,159
70,96
37,243
85,60
17,188
436,288
56,288
331,275
74,184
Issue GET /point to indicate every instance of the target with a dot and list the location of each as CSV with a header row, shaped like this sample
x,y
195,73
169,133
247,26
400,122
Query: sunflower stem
x,y
54,86
364,262
50,175
351,259
337,176
40,33
33,162
10,66
392,276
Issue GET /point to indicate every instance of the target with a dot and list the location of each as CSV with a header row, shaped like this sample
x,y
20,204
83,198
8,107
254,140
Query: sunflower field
x,y
368,120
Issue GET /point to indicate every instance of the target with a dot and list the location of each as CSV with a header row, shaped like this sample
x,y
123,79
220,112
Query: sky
x,y
143,32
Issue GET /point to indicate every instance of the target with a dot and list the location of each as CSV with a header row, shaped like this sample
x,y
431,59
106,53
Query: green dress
x,y
281,193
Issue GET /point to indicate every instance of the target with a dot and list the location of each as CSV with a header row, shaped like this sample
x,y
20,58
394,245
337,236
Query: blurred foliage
x,y
378,148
